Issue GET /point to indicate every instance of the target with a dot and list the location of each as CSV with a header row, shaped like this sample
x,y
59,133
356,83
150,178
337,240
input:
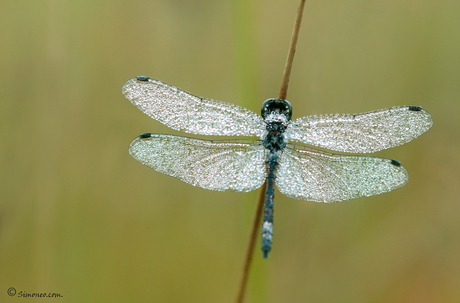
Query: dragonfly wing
x,y
308,174
214,165
362,133
181,110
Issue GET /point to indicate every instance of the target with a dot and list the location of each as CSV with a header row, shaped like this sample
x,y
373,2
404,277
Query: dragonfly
x,y
299,171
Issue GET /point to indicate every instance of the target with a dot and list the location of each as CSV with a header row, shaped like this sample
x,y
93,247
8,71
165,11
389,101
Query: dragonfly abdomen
x,y
267,225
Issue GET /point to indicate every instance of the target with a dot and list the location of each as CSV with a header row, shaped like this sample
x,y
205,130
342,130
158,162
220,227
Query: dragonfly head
x,y
279,106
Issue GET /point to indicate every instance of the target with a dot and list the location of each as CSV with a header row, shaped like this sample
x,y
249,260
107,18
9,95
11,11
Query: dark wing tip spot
x,y
142,78
396,163
146,135
415,108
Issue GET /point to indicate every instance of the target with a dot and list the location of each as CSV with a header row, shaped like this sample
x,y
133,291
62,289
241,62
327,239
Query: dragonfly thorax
x,y
278,106
274,138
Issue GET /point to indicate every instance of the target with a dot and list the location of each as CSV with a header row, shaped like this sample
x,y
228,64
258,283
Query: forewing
x,y
362,133
214,165
318,176
181,110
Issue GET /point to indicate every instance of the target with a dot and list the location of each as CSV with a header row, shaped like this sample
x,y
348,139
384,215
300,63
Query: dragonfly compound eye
x,y
278,106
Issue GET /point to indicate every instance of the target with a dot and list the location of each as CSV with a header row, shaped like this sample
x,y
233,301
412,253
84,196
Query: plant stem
x,y
256,222
291,53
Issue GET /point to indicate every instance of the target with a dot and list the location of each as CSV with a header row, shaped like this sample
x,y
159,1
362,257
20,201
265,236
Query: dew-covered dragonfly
x,y
299,171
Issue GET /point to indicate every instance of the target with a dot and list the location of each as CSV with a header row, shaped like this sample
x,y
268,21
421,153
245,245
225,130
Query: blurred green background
x,y
80,217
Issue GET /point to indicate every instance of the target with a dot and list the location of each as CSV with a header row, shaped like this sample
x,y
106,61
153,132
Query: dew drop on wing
x,y
142,78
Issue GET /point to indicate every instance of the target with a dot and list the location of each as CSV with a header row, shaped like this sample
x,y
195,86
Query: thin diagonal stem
x,y
256,222
291,53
